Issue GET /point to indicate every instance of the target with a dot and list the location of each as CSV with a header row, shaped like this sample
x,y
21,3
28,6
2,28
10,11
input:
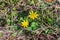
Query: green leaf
x,y
20,19
50,21
34,28
12,1
34,25
32,2
14,8
48,31
2,4
43,5
1,34
14,13
29,28
14,34
30,20
8,21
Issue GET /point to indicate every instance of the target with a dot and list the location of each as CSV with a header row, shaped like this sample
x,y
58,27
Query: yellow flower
x,y
25,23
33,15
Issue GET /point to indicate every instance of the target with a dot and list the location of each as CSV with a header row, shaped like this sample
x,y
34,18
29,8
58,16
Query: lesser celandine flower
x,y
25,23
33,15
